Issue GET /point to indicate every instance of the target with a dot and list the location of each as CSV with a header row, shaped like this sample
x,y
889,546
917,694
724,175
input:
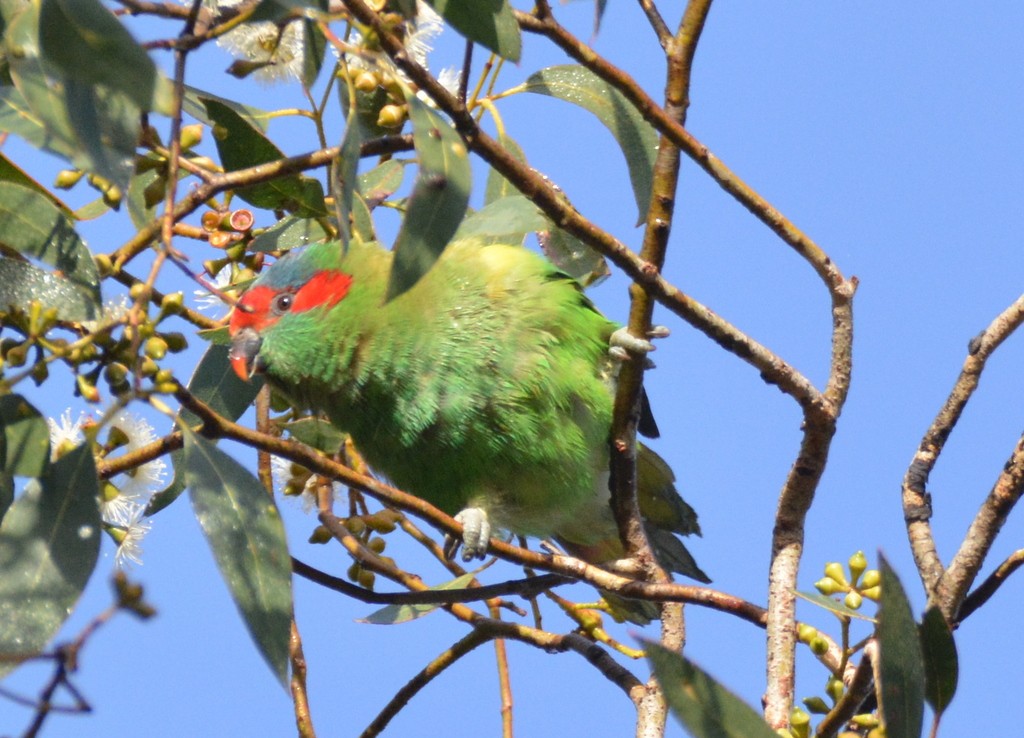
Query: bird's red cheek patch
x,y
325,289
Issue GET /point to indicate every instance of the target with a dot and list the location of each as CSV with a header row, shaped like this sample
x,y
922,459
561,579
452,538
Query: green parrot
x,y
485,389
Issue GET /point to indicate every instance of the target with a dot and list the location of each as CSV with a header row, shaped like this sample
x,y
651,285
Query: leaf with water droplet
x,y
49,542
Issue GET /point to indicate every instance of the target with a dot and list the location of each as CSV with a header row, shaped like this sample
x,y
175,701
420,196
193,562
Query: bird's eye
x,y
282,303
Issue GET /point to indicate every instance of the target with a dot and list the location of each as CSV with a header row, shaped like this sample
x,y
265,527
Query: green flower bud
x,y
175,341
355,525
392,116
320,534
367,579
154,193
816,705
377,545
104,265
834,688
67,178
857,563
799,723
805,632
155,348
827,586
872,578
86,389
834,570
366,81
819,646
190,136
865,720
872,593
853,600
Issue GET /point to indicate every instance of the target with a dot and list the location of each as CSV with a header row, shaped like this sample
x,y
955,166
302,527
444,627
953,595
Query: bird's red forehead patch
x,y
252,310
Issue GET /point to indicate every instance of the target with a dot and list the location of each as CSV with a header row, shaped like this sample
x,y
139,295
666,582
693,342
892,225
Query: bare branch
x,y
986,589
917,510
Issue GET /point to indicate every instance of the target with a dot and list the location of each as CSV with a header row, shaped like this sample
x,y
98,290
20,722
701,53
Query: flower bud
x,y
827,586
155,348
872,593
834,688
834,570
857,563
377,545
805,632
190,136
366,81
816,705
320,534
819,646
853,599
391,116
67,178
872,578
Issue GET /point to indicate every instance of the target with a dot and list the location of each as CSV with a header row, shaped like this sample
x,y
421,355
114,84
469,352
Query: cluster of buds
x,y
368,530
862,582
231,231
382,94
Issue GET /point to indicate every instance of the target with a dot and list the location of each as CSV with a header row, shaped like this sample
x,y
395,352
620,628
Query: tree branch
x,y
917,506
992,583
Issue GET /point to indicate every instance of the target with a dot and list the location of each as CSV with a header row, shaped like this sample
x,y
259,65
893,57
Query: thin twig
x,y
992,583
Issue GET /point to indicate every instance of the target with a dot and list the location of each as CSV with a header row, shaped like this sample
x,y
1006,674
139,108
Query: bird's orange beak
x,y
244,353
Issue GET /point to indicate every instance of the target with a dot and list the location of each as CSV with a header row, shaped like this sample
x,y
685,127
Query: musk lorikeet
x,y
485,389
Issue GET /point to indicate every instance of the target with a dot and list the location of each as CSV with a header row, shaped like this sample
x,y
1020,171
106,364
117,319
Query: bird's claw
x,y
623,344
476,533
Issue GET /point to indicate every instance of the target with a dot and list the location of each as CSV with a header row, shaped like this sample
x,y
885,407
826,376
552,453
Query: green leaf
x,y
18,118
288,233
438,201
11,172
245,532
94,126
31,224
314,49
275,10
901,662
497,186
84,40
397,614
941,665
49,542
362,220
834,606
242,145
490,23
21,283
6,493
26,438
636,137
572,256
317,433
507,220
382,181
193,103
215,383
704,707
344,174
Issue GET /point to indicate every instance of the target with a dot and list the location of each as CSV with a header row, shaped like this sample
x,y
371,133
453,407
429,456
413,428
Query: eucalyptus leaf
x,y
22,283
382,181
31,224
245,532
901,661
490,23
941,663
288,233
11,172
215,383
49,543
506,220
497,186
398,614
635,136
834,606
87,43
704,707
242,145
25,440
193,103
317,433
439,198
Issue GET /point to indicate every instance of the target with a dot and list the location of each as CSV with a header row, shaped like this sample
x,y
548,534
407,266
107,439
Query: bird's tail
x,y
666,515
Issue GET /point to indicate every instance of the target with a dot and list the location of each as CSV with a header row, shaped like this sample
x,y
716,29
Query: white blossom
x,y
65,432
131,527
206,300
137,485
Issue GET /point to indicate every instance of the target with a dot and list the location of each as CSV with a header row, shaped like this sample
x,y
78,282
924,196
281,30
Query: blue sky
x,y
890,133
